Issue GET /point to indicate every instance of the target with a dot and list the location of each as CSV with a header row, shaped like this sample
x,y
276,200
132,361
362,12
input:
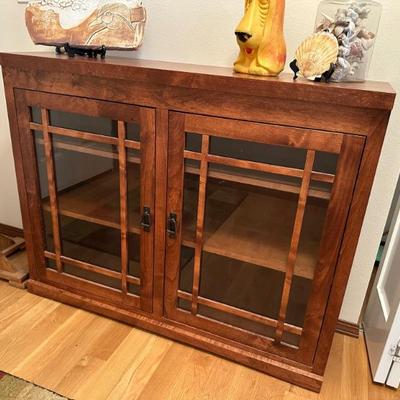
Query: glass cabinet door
x,y
95,191
254,235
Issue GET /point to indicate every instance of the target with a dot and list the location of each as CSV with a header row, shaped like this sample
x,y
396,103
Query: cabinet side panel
x,y
358,208
21,180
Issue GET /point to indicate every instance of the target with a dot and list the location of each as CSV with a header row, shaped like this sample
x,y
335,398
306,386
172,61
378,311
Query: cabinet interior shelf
x,y
241,234
97,200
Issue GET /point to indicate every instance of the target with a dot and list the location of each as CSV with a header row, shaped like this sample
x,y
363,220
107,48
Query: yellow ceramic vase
x,y
260,38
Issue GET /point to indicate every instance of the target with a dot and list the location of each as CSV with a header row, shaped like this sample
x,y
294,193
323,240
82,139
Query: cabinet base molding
x,y
349,329
166,328
12,231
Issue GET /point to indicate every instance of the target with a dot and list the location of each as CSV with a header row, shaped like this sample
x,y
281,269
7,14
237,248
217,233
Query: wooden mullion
x,y
200,222
131,144
258,166
240,312
134,280
294,245
93,137
123,188
52,187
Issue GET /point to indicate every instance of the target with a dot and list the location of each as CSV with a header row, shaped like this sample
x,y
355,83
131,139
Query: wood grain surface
x,y
81,356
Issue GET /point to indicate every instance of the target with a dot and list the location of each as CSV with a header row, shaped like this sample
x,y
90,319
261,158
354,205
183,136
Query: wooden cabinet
x,y
222,211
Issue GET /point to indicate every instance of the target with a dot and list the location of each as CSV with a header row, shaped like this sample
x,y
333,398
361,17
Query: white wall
x,y
201,32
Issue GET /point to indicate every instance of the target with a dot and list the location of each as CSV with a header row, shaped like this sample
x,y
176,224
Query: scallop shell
x,y
316,54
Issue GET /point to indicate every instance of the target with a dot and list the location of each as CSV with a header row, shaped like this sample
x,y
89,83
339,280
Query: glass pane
x,y
291,339
36,115
44,191
133,132
236,321
326,162
87,181
85,123
193,142
133,289
242,285
87,176
134,255
249,223
91,243
258,152
187,265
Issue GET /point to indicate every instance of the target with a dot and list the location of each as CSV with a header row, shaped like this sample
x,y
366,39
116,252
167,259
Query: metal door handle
x,y
172,225
146,219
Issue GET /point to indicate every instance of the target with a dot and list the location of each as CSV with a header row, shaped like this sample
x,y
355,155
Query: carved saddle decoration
x,y
115,24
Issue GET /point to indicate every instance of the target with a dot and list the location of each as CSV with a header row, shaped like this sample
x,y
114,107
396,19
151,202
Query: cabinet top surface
x,y
370,94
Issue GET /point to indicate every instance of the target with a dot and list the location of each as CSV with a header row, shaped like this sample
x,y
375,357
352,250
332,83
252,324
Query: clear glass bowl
x,y
355,24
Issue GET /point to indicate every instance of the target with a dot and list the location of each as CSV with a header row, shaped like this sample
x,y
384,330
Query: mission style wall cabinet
x,y
219,210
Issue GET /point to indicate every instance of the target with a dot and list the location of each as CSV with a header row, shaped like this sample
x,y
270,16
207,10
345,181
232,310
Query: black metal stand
x,y
325,77
81,51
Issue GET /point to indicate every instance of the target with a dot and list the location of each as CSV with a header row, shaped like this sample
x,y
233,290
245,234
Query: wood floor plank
x,y
84,356
9,315
6,290
44,363
137,376
93,359
100,385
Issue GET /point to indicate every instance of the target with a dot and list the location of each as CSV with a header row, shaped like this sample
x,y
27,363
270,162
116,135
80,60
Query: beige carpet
x,y
12,388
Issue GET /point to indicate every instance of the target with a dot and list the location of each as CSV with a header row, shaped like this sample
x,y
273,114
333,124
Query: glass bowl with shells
x,y
355,25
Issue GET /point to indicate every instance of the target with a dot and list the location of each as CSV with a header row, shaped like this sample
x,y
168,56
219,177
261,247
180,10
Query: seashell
x,y
357,49
342,70
316,54
363,33
349,28
344,51
367,43
338,31
353,15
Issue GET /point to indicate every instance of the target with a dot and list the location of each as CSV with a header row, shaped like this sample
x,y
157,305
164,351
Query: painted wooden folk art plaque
x,y
115,24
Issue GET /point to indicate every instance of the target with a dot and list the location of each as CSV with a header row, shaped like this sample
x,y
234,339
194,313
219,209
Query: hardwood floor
x,y
85,356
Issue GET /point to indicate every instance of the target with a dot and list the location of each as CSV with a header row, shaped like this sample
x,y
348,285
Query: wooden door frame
x,y
124,114
349,148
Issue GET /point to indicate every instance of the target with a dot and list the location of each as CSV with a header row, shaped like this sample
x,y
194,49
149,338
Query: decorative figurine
x,y
260,38
86,27
316,57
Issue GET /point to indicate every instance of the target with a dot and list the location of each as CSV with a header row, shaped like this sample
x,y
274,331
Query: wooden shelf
x,y
258,230
261,180
97,200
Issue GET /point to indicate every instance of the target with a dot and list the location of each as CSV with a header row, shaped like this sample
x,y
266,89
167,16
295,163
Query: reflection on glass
x,y
36,115
134,255
91,243
133,132
241,285
236,321
87,184
92,276
85,123
193,142
258,152
187,265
